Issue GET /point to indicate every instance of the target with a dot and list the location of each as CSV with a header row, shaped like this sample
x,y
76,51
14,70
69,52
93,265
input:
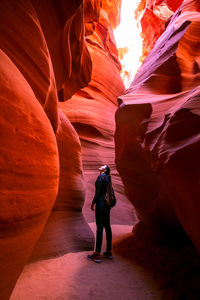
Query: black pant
x,y
102,212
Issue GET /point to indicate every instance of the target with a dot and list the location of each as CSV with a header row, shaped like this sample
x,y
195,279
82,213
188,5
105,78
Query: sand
x,y
74,277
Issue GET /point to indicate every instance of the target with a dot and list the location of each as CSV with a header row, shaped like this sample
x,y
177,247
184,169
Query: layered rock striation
x,y
91,110
43,56
60,80
153,17
157,134
29,172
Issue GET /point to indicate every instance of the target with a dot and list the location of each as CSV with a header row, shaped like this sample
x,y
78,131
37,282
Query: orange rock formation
x,y
29,172
60,79
43,56
154,16
158,125
91,110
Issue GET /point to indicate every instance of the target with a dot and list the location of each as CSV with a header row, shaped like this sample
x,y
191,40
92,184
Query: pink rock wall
x,y
157,134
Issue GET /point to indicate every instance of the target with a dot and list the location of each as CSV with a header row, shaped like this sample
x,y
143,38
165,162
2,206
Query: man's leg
x,y
99,214
99,238
108,231
108,238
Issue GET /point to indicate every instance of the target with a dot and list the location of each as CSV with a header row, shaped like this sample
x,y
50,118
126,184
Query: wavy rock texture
x,y
157,135
28,51
33,73
29,172
91,111
66,229
72,65
154,16
63,26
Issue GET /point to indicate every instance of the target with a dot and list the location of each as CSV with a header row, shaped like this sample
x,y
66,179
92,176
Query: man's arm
x,y
98,189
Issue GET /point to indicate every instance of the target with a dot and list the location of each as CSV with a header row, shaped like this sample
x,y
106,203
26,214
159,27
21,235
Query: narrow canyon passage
x,y
65,110
140,269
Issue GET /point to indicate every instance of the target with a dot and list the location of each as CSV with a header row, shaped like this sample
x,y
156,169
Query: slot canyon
x,y
64,112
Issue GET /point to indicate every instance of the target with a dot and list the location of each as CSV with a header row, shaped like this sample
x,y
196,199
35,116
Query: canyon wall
x,y
91,110
153,17
43,55
29,172
157,135
59,84
60,80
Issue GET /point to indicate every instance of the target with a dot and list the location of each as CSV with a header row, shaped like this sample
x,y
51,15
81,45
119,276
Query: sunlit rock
x,y
112,10
92,9
158,125
154,17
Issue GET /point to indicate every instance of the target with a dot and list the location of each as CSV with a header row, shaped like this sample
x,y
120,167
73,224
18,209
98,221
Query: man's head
x,y
104,169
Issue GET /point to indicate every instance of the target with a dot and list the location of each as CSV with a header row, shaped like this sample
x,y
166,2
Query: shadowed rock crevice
x,y
167,164
173,263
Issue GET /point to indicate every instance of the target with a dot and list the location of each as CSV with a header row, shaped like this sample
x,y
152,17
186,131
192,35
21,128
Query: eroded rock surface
x,y
65,51
62,23
29,172
91,111
158,125
66,229
43,56
154,16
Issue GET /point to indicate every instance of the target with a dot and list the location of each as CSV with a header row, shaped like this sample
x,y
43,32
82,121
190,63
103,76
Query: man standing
x,y
102,214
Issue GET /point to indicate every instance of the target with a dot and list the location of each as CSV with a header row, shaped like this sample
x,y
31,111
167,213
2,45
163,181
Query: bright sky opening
x,y
127,36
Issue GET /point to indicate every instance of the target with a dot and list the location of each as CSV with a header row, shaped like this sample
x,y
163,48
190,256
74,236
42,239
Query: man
x,y
102,214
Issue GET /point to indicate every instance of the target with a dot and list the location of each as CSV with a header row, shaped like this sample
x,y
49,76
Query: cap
x,y
104,167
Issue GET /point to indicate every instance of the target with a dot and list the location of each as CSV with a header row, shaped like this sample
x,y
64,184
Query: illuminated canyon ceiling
x,y
60,80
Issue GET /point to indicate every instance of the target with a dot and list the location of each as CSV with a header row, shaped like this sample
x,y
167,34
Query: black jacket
x,y
100,188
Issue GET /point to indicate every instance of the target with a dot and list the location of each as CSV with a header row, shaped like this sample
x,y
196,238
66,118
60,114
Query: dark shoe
x,y
108,255
95,257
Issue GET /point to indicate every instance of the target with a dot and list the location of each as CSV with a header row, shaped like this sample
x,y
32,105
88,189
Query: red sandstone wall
x,y
157,125
91,111
43,56
157,134
29,172
62,25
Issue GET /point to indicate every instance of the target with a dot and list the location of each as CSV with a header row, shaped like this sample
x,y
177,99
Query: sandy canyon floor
x,y
74,277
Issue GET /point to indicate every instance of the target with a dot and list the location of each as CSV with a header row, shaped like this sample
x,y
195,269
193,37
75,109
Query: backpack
x,y
110,195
